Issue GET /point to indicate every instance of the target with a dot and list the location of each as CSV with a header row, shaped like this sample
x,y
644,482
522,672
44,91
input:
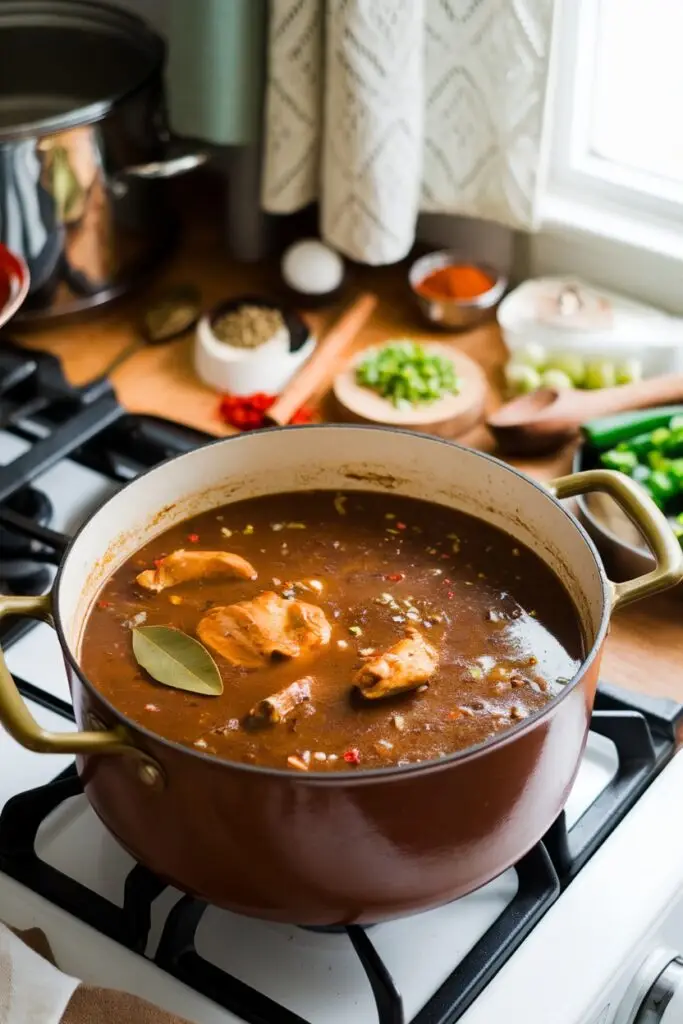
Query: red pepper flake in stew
x,y
104,604
395,577
193,538
352,756
401,526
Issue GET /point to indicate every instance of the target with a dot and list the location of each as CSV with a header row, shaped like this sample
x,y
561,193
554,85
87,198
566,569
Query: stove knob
x,y
663,1004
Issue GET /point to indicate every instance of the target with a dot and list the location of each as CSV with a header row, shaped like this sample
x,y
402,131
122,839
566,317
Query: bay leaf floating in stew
x,y
175,659
361,630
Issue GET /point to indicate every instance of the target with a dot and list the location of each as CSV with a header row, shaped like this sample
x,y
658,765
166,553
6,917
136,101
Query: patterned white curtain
x,y
381,109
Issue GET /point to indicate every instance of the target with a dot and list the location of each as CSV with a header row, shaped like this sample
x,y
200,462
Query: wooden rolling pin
x,y
545,419
324,360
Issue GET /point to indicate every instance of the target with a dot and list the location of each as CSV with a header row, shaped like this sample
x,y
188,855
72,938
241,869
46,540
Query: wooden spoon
x,y
323,361
545,419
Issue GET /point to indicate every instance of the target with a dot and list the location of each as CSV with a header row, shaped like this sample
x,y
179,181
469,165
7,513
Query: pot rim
x,y
98,110
360,775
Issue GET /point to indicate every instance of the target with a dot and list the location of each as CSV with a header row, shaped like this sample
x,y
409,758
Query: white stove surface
x,y
560,975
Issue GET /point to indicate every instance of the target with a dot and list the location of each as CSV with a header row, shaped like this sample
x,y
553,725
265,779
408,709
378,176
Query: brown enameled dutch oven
x,y
320,849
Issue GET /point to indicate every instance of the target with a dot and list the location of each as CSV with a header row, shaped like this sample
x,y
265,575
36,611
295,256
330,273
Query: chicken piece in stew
x,y
351,631
254,634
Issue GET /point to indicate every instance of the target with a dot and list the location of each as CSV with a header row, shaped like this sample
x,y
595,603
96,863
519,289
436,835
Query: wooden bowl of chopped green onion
x,y
427,386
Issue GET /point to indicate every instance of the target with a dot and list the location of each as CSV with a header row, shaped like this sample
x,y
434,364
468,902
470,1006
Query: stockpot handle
x,y
642,511
17,719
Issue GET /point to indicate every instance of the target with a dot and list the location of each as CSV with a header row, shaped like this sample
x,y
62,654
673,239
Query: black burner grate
x,y
644,731
59,421
88,426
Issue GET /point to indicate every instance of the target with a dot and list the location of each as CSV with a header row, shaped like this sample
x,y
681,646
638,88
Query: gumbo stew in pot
x,y
348,631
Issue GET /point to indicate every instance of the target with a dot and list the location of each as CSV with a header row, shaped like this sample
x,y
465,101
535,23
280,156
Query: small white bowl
x,y
244,371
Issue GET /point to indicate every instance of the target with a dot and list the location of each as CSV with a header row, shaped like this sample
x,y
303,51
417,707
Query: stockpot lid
x,y
67,62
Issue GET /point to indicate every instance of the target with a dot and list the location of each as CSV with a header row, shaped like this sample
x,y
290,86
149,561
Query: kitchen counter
x,y
645,646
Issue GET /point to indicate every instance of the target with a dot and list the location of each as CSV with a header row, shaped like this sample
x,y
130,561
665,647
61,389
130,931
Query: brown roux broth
x,y
492,603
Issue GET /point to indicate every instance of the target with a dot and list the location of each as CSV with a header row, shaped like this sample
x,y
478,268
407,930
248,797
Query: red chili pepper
x,y
243,412
450,595
239,416
104,604
396,577
352,756
193,538
261,401
401,526
303,415
247,412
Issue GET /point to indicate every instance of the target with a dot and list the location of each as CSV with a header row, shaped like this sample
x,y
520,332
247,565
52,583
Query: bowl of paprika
x,y
454,293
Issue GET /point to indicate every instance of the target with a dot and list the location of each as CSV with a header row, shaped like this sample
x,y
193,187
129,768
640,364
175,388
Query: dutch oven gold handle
x,y
17,719
643,512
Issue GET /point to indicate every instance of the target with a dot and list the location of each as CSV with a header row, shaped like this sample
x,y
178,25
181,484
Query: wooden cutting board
x,y
160,380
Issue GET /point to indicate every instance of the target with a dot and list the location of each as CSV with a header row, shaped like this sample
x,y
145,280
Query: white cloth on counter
x,y
32,991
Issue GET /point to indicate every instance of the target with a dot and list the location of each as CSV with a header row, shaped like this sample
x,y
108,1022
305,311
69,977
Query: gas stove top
x,y
547,941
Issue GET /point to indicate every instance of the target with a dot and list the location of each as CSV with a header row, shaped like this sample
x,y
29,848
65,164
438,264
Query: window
x,y
639,87
617,121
